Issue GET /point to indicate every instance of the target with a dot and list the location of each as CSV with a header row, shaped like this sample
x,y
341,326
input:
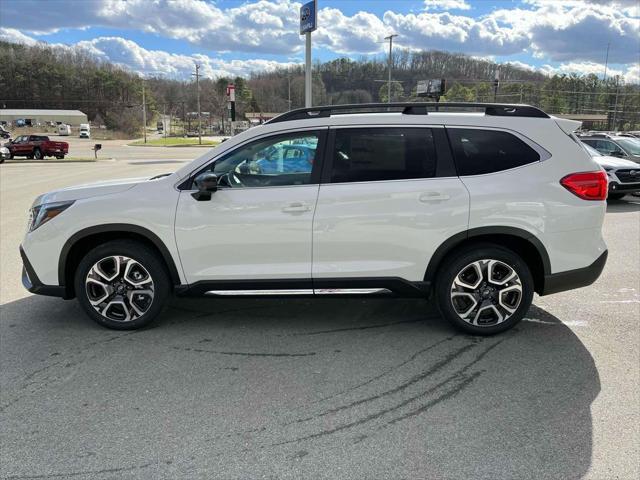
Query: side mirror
x,y
206,183
617,153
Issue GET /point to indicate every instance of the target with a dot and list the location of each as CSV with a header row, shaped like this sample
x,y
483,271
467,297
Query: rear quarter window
x,y
480,151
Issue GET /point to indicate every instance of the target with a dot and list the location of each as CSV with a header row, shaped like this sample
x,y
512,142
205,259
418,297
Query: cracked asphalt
x,y
315,388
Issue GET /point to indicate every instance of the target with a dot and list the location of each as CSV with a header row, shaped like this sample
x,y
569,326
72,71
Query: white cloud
x,y
522,65
263,27
157,62
131,56
15,36
554,31
446,5
444,31
361,33
630,75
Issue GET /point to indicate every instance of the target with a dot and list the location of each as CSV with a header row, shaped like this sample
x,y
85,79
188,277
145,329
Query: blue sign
x,y
308,18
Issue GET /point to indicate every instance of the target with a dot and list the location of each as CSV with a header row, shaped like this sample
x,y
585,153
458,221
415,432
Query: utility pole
x,y
521,91
144,114
615,108
390,38
289,100
197,75
606,63
496,84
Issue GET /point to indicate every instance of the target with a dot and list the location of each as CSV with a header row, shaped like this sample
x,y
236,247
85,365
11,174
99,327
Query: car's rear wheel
x,y
37,154
122,284
484,289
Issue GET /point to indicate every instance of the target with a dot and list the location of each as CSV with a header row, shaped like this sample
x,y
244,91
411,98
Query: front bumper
x,y
615,187
581,277
31,282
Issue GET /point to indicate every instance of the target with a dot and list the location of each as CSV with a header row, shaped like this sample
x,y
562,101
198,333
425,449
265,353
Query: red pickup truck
x,y
36,146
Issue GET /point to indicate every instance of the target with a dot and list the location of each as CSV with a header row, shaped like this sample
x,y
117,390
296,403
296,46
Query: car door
x,y
21,146
15,145
257,226
389,198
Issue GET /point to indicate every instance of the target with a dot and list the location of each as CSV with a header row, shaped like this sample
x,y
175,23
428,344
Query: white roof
x,y
36,112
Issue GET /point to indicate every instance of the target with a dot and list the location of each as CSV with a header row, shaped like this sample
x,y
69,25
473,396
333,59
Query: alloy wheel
x,y
486,292
119,288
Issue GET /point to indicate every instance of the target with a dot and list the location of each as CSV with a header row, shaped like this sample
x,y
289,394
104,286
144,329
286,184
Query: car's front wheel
x,y
484,289
122,284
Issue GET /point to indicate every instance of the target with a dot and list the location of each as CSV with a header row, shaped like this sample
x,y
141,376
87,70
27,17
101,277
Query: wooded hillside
x,y
49,77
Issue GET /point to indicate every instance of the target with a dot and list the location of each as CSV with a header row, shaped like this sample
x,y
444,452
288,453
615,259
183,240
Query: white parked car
x,y
624,175
478,210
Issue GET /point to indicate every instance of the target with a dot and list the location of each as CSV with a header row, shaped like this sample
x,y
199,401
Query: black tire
x,y
37,154
145,257
457,262
615,196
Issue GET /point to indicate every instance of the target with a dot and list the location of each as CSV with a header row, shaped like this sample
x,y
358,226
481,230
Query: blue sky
x,y
234,37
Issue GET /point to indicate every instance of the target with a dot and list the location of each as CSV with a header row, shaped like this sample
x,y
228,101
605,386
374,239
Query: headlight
x,y
43,213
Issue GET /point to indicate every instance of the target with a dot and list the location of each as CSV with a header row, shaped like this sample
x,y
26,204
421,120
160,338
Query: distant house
x,y
35,116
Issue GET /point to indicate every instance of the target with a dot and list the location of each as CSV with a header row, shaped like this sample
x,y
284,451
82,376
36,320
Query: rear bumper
x,y
581,277
31,282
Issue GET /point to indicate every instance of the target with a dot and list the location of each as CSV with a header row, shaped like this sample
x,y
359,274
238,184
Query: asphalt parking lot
x,y
327,388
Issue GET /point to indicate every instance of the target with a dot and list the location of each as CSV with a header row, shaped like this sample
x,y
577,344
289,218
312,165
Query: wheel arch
x,y
84,240
524,243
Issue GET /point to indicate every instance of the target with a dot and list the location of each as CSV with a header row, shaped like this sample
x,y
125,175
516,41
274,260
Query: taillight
x,y
587,185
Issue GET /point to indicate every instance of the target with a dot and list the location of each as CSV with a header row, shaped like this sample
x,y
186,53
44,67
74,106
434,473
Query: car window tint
x,y
275,161
480,151
374,154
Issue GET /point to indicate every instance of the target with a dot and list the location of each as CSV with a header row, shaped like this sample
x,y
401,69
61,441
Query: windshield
x,y
591,151
631,145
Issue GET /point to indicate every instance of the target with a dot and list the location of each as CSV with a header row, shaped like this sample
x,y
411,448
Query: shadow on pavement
x,y
625,205
300,388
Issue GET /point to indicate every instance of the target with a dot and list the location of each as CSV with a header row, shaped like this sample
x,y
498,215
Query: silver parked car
x,y
624,175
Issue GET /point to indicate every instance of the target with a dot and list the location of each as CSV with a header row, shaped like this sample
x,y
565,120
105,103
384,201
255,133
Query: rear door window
x,y
479,151
377,154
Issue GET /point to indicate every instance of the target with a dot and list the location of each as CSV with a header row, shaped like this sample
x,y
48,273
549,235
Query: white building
x,y
35,116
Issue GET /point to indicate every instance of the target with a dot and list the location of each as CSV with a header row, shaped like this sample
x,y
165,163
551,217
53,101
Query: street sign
x,y
431,88
231,92
308,17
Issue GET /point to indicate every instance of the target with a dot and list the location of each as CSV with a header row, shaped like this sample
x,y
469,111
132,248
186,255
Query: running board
x,y
367,286
301,291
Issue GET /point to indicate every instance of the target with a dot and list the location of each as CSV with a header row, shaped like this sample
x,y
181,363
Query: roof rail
x,y
409,108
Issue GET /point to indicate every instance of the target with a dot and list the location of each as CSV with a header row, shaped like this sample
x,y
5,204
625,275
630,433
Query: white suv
x,y
478,208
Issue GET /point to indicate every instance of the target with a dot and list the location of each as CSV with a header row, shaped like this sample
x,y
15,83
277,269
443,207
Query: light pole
x,y
197,75
144,114
496,84
390,38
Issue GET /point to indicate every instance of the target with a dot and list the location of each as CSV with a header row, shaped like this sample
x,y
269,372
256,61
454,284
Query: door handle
x,y
433,197
296,207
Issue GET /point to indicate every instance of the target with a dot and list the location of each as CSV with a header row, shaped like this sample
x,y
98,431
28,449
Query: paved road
x,y
119,150
328,388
